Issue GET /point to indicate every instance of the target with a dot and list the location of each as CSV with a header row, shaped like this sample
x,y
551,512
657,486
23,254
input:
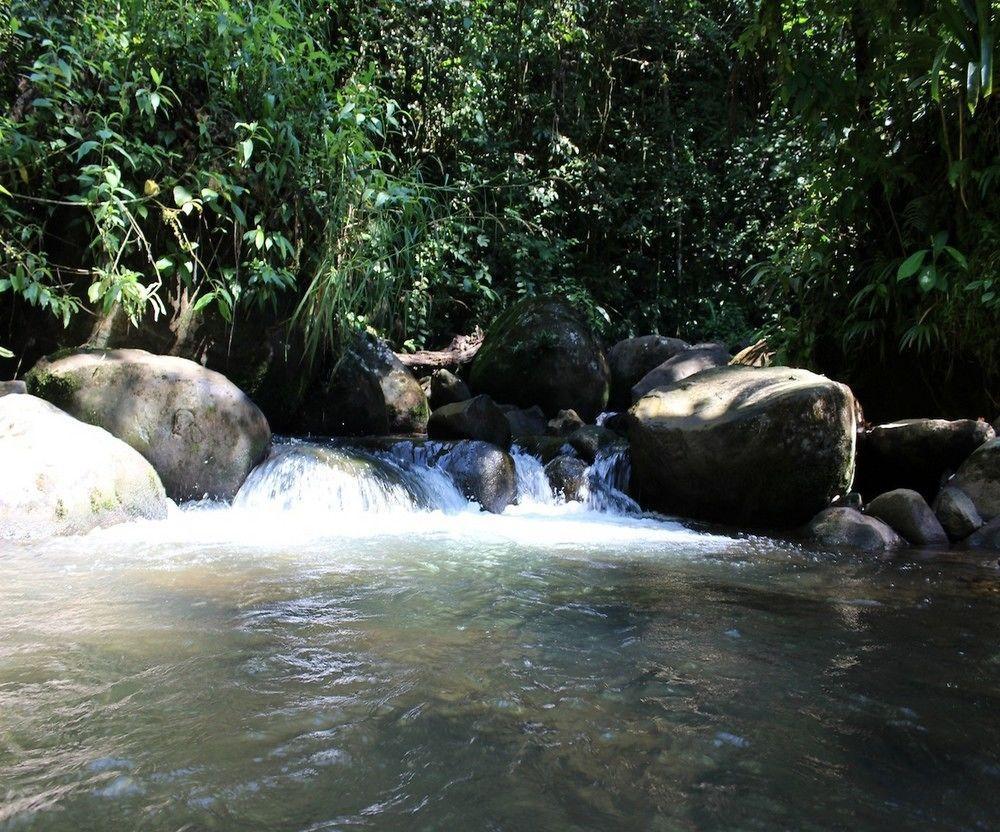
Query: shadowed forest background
x,y
203,178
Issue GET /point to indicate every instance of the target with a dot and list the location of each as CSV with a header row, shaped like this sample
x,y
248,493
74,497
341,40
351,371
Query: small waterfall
x,y
323,479
607,479
532,485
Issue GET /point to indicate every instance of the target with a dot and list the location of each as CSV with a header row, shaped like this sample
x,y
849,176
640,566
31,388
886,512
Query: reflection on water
x,y
536,671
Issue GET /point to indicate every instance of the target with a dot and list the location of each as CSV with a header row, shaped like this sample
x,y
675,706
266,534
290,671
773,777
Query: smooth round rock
x,y
61,476
200,432
849,528
477,418
629,360
447,388
482,472
979,477
529,421
568,477
564,423
699,358
908,514
986,537
744,446
956,513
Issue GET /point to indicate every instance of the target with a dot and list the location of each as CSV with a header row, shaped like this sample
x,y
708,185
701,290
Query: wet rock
x,y
62,476
545,448
568,477
590,439
482,472
956,513
12,388
849,500
909,516
617,422
477,418
525,421
986,537
979,477
447,388
565,423
742,445
631,359
540,352
916,453
199,431
688,363
849,528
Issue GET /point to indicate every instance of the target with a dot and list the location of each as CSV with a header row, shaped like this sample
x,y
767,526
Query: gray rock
x,y
631,359
545,448
695,360
916,453
540,352
568,477
200,432
956,513
849,500
986,537
766,446
62,476
979,477
447,388
525,421
12,388
590,439
483,472
565,423
849,528
617,422
909,516
477,418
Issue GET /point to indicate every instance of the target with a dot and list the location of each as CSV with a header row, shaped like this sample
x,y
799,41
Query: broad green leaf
x,y
203,301
246,146
911,264
957,256
927,279
182,196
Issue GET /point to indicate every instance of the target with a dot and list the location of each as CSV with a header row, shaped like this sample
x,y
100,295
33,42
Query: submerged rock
x,y
62,476
540,352
909,516
447,388
483,473
199,431
849,528
979,477
477,418
916,453
528,421
956,513
631,359
567,476
700,357
741,445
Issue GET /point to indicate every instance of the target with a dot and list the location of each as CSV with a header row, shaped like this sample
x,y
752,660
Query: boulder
x,y
631,359
477,418
62,476
447,388
590,439
908,514
568,477
540,352
766,446
525,421
545,448
956,513
618,422
986,537
916,453
700,357
11,388
979,477
849,528
565,423
482,472
199,431
850,500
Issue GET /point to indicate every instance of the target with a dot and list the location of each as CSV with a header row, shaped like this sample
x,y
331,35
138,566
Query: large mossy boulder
x,y
629,360
60,476
979,477
916,453
200,432
540,352
684,364
476,418
742,445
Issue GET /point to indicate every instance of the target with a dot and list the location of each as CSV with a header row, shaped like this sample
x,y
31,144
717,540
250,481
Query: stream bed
x,y
552,668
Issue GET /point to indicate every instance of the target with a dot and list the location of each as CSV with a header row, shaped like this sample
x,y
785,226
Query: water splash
x,y
533,487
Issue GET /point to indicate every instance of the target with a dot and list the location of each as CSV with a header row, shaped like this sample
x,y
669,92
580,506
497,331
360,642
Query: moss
x,y
60,510
100,502
54,388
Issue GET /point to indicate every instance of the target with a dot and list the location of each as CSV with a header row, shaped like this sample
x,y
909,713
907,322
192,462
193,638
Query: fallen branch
x,y
461,350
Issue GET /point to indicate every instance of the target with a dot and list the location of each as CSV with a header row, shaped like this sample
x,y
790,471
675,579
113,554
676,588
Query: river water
x,y
552,668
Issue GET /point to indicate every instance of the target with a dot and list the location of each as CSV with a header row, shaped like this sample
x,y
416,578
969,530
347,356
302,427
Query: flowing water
x,y
352,646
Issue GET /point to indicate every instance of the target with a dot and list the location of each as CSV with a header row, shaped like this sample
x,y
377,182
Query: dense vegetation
x,y
824,173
